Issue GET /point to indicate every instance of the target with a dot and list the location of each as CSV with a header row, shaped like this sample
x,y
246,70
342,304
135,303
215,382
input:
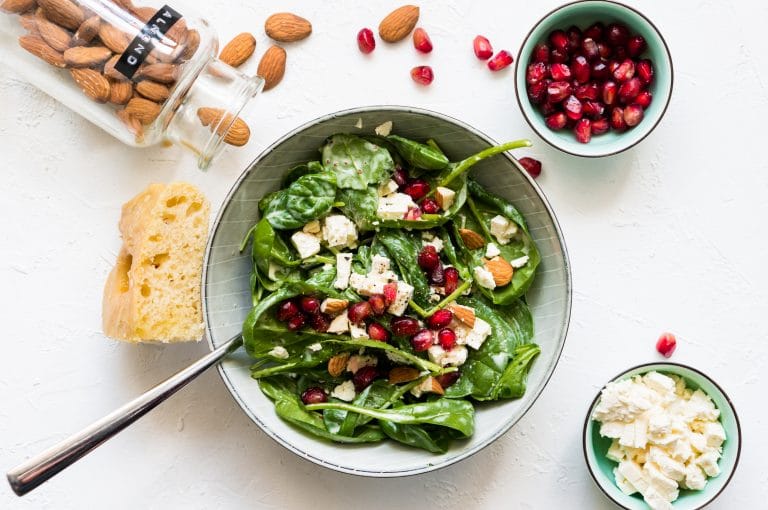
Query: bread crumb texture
x,y
153,292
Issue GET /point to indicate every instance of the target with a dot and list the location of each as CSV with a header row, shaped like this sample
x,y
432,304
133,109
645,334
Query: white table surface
x,y
666,236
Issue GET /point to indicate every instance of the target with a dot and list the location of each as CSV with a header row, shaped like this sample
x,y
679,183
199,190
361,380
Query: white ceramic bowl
x,y
227,299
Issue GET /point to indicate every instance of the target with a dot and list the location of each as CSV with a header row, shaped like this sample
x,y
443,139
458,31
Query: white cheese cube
x,y
634,474
445,197
387,188
519,261
615,452
379,265
656,501
660,483
339,231
366,286
394,206
383,129
499,225
313,227
403,296
480,331
698,442
456,357
343,270
614,429
623,484
708,462
659,382
340,324
700,407
694,477
492,251
344,391
306,244
681,450
714,434
357,361
356,331
635,433
315,347
666,464
484,278
436,242
279,352
436,354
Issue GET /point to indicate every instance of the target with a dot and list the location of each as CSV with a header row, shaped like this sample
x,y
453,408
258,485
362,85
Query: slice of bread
x,y
153,292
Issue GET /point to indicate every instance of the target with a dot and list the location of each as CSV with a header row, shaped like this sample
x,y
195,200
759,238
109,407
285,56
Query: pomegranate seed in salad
x,y
428,259
359,312
310,305
364,377
422,340
451,275
390,293
296,322
404,326
440,319
416,189
446,338
315,395
378,304
286,310
377,332
430,206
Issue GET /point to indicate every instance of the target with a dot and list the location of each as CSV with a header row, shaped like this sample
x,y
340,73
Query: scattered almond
x,y
234,129
144,110
272,66
152,90
16,6
63,12
472,239
238,50
113,38
337,364
86,56
463,314
399,23
333,306
120,92
287,27
87,30
133,125
39,48
403,374
430,385
501,270
92,83
160,72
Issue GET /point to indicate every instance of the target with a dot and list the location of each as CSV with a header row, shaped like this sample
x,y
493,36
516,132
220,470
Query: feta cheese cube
x,y
708,462
492,251
681,450
456,357
503,229
403,296
615,452
436,242
623,484
357,361
383,129
484,278
659,382
315,347
694,477
634,474
394,206
700,407
340,324
635,433
306,244
279,352
436,354
387,188
656,501
714,434
356,331
313,227
343,270
698,442
445,197
379,265
480,331
344,391
666,464
519,261
339,231
366,286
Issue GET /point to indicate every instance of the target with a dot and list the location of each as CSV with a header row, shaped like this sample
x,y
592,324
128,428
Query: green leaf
x,y
419,155
496,203
308,198
360,206
355,162
402,249
311,167
435,441
512,382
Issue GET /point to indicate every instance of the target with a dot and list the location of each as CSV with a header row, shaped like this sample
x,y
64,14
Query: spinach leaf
x,y
436,440
377,395
308,198
496,203
402,249
418,154
360,205
311,167
356,162
512,381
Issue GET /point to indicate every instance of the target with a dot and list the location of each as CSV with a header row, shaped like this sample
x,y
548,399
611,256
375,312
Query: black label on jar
x,y
141,46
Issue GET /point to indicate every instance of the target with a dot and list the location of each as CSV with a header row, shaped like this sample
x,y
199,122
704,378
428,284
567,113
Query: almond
x,y
337,364
144,110
17,6
403,374
63,12
152,90
56,37
463,314
92,83
234,129
29,23
399,23
120,92
191,44
87,30
333,306
160,72
287,27
272,66
501,270
39,48
86,56
110,71
430,385
113,38
133,125
472,239
238,50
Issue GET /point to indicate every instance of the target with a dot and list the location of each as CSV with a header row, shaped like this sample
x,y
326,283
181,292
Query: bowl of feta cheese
x,y
662,436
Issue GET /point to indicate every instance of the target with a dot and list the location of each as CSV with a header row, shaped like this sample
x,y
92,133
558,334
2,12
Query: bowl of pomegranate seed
x,y
594,78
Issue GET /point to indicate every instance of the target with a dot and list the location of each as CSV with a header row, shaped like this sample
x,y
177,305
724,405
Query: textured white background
x,y
667,236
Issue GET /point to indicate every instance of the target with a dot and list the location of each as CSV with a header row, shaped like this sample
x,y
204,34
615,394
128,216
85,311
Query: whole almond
x,y
272,66
120,92
463,314
17,6
144,110
399,23
87,30
110,71
63,12
152,90
337,364
403,374
56,37
92,83
287,27
87,56
38,47
431,385
333,306
133,125
472,239
29,23
501,270
234,129
191,44
113,38
160,72
238,50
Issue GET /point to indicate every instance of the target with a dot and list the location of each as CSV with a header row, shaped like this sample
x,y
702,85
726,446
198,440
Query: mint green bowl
x,y
583,14
601,468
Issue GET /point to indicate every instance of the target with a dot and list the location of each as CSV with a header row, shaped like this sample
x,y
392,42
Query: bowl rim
x,y
427,467
588,419
520,67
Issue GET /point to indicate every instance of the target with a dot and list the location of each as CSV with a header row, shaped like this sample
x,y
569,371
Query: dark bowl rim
x,y
428,467
519,67
587,420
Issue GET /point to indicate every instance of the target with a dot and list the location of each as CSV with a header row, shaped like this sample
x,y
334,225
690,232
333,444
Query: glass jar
x,y
144,74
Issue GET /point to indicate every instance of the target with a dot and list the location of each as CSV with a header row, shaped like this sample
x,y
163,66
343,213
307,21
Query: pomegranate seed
x,y
541,53
593,109
666,344
310,305
559,40
400,176
645,71
590,49
535,73
358,312
421,40
366,41
314,395
595,31
604,50
416,189
320,322
413,214
440,319
558,56
422,340
588,91
537,92
532,166
560,72
558,90
583,131
448,379
617,34
378,304
617,119
580,69
446,338
482,47
612,66
573,108
574,38
548,108
620,52
609,92
422,75
430,206
390,293
556,121
378,332
428,258
633,114
500,61
364,377
600,126
286,310
296,322
636,45
644,99
437,275
629,90
404,326
600,70
625,71
451,280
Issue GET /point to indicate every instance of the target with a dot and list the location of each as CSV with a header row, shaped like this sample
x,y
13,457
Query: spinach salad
x,y
389,294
